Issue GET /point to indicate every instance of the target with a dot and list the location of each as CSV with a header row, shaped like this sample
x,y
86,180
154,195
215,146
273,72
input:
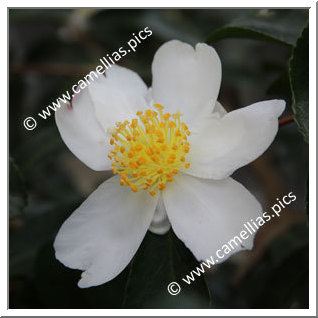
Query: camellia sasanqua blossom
x,y
172,149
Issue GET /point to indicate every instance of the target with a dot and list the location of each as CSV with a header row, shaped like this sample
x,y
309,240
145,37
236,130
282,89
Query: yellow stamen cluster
x,y
149,150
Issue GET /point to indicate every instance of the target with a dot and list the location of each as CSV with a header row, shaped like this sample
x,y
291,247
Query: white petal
x,y
219,146
118,96
206,214
104,233
207,111
185,78
219,109
160,223
82,133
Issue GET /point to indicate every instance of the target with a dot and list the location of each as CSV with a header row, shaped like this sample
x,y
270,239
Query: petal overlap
x,y
219,146
118,96
82,133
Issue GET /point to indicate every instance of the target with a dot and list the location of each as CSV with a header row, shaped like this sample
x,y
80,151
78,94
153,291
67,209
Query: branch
x,y
286,120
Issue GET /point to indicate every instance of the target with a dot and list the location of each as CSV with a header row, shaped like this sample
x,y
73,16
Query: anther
x,y
149,150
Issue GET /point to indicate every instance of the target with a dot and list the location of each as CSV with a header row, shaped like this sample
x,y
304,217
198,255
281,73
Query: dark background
x,y
49,51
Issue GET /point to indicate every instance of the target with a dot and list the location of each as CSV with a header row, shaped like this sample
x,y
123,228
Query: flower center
x,y
149,150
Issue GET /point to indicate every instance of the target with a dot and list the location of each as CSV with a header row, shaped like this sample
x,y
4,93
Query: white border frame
x,y
163,312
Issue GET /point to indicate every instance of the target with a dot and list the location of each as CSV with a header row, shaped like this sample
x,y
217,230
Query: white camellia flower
x,y
170,169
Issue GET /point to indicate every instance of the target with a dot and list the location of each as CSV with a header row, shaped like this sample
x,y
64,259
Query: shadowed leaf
x,y
283,26
299,80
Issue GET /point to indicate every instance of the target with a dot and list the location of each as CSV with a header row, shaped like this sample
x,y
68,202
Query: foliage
x,y
299,80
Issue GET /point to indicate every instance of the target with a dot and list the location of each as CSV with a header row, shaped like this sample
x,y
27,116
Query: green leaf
x,y
17,190
159,261
282,26
299,81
